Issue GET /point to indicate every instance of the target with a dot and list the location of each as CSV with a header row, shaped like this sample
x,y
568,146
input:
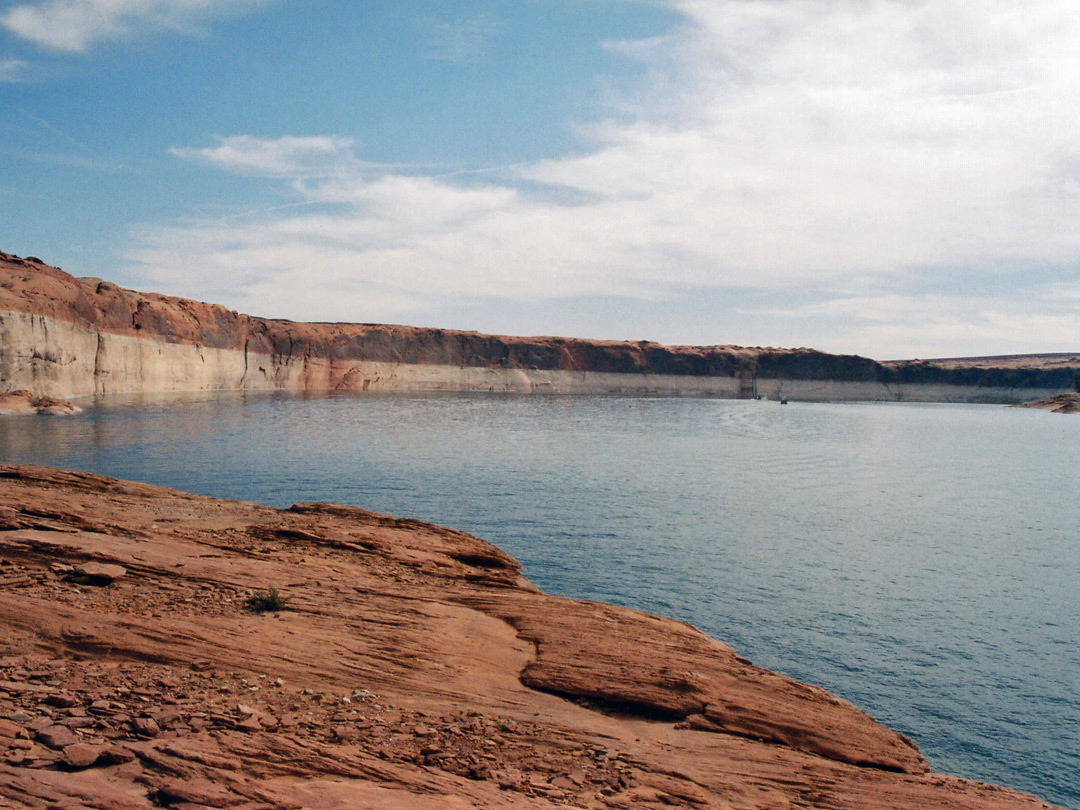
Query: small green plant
x,y
266,601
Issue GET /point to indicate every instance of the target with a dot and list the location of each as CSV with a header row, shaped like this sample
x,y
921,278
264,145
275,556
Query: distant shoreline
x,y
65,337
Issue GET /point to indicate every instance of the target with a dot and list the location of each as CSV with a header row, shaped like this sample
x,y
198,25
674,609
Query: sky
x,y
890,178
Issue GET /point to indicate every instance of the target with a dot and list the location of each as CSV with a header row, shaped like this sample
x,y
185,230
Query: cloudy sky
x,y
893,178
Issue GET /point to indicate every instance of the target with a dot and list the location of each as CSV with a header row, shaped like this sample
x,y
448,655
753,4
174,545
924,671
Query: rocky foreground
x,y
161,649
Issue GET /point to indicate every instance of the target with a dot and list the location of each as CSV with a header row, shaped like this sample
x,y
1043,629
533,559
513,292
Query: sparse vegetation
x,y
266,601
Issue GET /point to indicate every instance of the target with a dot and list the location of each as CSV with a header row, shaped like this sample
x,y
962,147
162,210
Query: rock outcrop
x,y
411,667
66,337
24,402
1062,403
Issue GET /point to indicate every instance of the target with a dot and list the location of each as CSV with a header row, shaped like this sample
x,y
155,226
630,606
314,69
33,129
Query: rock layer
x,y
64,337
412,667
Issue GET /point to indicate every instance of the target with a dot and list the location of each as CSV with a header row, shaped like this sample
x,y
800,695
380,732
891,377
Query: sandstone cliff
x,y
64,337
411,667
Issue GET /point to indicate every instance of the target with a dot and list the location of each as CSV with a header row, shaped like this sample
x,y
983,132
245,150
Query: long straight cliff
x,y
63,336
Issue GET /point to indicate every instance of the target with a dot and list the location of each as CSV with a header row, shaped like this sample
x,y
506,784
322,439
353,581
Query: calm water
x,y
922,561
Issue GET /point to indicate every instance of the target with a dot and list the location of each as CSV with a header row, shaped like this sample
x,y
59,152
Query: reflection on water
x,y
919,560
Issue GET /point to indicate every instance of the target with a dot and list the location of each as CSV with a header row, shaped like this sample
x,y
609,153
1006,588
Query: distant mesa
x,y
66,337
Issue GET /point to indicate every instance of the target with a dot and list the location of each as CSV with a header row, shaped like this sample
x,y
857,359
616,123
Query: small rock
x,y
62,700
345,734
82,755
101,707
78,722
164,717
508,779
57,737
116,755
146,726
268,721
10,730
93,573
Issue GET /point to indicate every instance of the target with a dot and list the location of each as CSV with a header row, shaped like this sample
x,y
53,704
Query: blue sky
x,y
893,178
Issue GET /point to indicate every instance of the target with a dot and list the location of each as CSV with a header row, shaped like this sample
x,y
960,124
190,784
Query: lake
x,y
921,561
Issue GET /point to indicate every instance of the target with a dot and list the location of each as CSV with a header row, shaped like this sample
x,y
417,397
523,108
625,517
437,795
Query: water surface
x,y
921,561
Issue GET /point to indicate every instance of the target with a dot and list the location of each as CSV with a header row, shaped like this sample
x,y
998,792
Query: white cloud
x,y
838,146
76,25
13,70
279,157
931,325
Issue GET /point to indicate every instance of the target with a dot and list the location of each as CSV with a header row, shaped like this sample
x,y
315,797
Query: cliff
x,y
64,337
395,664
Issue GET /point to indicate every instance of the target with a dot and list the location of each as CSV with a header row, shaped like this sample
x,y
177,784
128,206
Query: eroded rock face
x,y
63,336
411,667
